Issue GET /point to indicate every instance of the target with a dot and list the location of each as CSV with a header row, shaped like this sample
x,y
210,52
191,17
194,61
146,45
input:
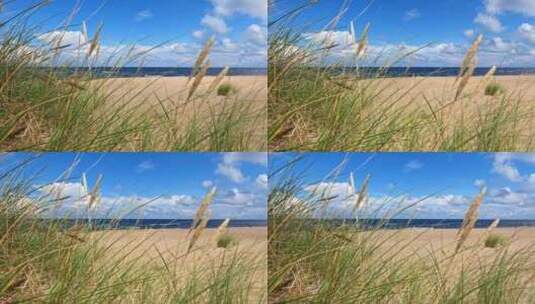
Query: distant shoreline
x,y
125,224
397,72
396,224
131,72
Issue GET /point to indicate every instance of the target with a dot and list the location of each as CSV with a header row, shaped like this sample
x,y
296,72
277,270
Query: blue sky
x,y
177,180
400,26
451,180
238,25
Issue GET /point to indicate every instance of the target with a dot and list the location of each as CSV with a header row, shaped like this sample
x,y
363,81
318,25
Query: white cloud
x,y
503,166
413,165
338,190
262,181
469,33
231,172
527,31
489,22
256,34
411,14
479,183
217,24
253,8
64,189
207,184
63,38
329,38
239,157
233,204
524,7
143,15
146,165
237,197
228,45
199,34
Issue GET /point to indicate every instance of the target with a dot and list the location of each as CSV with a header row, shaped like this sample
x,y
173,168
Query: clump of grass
x,y
496,240
494,89
226,89
315,256
50,103
226,241
318,102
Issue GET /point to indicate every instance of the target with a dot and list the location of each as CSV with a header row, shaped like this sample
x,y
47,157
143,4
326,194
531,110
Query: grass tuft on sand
x,y
496,240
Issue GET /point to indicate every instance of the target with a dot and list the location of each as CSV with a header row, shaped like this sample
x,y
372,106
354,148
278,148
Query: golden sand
x,y
150,245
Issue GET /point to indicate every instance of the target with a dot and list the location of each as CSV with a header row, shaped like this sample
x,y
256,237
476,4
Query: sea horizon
x,y
109,223
399,223
104,71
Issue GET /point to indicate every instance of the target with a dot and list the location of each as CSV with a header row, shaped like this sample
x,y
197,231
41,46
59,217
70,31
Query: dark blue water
x,y
156,71
432,71
429,223
155,223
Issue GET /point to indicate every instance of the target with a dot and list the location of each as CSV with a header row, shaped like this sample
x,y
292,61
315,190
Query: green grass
x,y
54,109
494,89
316,104
496,240
61,262
226,89
312,260
226,241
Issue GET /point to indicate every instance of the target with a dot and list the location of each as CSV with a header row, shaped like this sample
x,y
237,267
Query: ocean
x,y
154,223
429,223
157,71
431,71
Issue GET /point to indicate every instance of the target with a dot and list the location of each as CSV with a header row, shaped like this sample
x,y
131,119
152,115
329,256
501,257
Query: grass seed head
x,y
363,43
94,46
362,195
203,207
218,79
203,55
470,56
470,219
222,229
198,79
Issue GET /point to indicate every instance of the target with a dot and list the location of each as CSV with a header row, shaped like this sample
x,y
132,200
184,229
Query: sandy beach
x,y
443,89
423,240
149,96
175,89
150,245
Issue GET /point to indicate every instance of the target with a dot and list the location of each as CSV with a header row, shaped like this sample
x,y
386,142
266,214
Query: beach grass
x,y
52,98
317,257
318,102
496,240
70,261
